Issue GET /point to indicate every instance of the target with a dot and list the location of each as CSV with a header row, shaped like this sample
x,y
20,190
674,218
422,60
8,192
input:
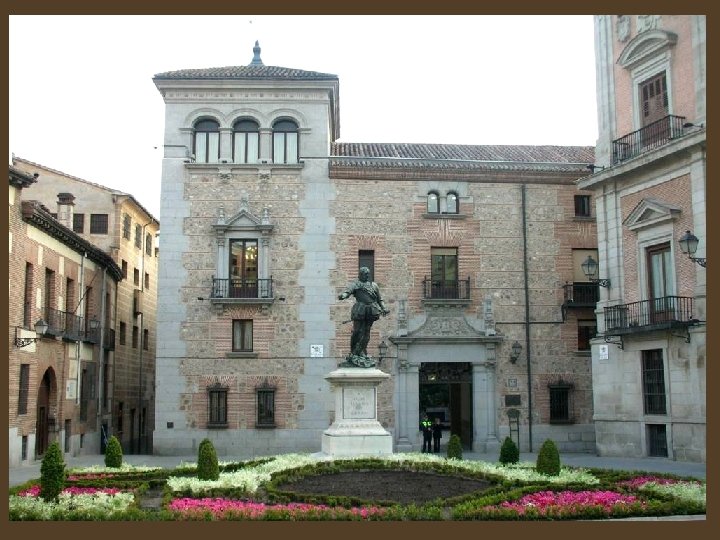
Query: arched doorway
x,y
446,392
45,419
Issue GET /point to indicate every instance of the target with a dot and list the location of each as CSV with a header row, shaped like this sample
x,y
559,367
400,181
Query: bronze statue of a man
x,y
367,309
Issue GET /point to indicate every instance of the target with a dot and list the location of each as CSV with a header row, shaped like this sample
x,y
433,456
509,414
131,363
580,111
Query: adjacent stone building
x,y
57,368
648,366
267,217
117,224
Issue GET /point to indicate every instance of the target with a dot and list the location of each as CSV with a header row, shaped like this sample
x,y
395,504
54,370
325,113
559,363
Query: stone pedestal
x,y
356,430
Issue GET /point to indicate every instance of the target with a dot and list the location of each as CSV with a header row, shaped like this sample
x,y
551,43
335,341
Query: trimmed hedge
x,y
52,473
113,453
509,452
548,460
207,461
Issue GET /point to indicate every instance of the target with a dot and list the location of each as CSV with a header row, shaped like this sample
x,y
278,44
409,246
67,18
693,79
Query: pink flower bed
x,y
221,508
566,502
640,481
34,491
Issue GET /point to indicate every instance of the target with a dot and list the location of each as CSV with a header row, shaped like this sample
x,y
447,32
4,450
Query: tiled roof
x,y
246,72
461,156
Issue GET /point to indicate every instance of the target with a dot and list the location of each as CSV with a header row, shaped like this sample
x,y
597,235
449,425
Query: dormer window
x,y
246,141
285,142
207,141
433,203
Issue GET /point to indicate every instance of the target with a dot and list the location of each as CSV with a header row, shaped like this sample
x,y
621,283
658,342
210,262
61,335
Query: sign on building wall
x,y
603,352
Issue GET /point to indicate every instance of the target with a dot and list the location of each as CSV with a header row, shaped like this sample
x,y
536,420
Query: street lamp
x,y
382,350
515,352
689,244
589,268
40,328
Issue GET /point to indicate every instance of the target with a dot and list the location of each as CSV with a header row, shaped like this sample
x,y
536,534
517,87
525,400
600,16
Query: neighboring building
x,y
58,277
649,363
120,226
266,218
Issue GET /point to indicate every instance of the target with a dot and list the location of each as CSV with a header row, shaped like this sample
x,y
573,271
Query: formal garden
x,y
395,487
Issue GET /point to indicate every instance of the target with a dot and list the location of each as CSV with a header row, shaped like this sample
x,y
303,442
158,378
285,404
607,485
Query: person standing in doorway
x,y
426,428
436,434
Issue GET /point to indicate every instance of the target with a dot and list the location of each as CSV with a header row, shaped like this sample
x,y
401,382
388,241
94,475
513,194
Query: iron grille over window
x,y
126,227
148,245
217,406
98,223
79,223
657,440
653,374
138,236
24,388
265,406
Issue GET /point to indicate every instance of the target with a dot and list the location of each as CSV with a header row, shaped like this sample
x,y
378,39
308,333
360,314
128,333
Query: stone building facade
x,y
648,366
56,378
119,225
267,218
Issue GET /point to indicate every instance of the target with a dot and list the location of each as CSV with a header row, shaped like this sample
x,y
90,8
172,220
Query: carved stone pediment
x,y
651,212
646,45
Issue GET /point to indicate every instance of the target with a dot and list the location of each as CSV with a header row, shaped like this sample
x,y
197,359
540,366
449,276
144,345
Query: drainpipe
x,y
77,343
527,314
101,363
142,420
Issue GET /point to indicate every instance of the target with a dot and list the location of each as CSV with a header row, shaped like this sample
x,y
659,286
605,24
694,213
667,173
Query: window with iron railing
x,y
217,406
653,379
265,406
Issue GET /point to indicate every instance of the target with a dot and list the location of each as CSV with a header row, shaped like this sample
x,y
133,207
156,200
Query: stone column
x,y
403,442
226,140
265,145
484,417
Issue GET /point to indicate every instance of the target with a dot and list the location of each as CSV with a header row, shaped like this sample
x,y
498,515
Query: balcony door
x,y
661,289
243,269
444,273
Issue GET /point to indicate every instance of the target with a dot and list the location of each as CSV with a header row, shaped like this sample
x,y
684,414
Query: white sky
x,y
82,99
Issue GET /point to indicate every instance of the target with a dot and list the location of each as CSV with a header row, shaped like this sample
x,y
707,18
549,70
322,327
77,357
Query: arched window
x,y
452,203
246,141
433,203
207,141
285,142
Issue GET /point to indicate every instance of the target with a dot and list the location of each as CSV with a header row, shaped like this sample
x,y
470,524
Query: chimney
x,y
65,209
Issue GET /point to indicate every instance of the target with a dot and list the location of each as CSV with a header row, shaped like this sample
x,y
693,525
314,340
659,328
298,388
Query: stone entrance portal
x,y
446,393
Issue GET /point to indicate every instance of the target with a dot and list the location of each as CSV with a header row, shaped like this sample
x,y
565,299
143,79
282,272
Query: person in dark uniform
x,y
436,434
426,428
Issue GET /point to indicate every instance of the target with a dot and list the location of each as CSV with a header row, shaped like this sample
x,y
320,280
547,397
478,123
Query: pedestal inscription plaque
x,y
356,430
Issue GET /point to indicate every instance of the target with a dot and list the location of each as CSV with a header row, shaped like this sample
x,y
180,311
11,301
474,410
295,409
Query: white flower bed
x,y
101,502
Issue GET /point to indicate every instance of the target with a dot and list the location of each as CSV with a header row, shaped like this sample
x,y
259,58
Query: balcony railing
x,y
581,294
446,289
647,138
69,326
238,288
658,313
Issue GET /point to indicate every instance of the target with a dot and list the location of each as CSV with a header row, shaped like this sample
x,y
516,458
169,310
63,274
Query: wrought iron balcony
x,y
581,294
656,314
242,290
69,326
648,138
446,289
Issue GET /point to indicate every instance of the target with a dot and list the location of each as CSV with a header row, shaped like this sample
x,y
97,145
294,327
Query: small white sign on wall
x,y
316,351
603,353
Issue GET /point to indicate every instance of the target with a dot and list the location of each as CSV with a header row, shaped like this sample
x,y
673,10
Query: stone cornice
x,y
34,213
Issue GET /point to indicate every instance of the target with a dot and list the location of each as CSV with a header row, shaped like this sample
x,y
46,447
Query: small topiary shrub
x,y
208,468
548,460
52,473
509,452
454,447
113,453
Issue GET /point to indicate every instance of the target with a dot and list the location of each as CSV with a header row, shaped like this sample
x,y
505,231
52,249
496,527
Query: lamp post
x,y
689,244
515,352
382,350
589,268
40,328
